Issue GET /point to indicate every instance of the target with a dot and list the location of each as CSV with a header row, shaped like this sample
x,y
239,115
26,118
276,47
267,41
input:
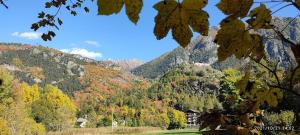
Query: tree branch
x,y
289,23
269,1
294,4
292,43
2,3
278,85
285,89
281,8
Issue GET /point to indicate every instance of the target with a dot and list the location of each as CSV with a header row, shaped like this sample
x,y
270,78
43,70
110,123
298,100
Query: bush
x,y
33,128
282,118
4,129
106,121
177,119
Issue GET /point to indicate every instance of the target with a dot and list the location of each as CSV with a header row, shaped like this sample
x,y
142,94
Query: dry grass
x,y
105,131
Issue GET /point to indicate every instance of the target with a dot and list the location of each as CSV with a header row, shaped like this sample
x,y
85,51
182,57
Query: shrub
x,y
177,119
282,118
4,129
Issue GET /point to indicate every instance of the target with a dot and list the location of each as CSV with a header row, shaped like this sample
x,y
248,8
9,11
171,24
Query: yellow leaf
x,y
277,92
297,2
198,19
233,39
258,50
238,8
194,4
199,22
181,31
133,9
166,6
165,9
296,77
180,17
260,17
242,84
182,35
161,28
108,7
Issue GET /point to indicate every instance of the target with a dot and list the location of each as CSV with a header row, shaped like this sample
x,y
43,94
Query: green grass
x,y
173,132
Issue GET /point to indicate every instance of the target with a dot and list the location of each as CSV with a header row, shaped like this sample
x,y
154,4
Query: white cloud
x,y
27,35
91,42
83,52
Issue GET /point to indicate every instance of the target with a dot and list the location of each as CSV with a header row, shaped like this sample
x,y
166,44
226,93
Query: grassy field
x,y
173,132
125,131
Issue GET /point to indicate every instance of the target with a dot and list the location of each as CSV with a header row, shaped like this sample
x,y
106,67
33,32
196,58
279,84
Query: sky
x,y
99,37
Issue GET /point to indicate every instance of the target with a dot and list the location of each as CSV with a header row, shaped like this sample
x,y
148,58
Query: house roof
x,y
81,120
191,110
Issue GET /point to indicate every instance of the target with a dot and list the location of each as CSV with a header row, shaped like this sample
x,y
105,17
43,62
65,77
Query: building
x,y
81,122
191,118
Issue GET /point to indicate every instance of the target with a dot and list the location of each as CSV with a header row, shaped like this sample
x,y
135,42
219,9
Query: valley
x,y
51,90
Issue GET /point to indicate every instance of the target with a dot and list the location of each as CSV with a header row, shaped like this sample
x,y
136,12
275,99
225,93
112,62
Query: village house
x,y
82,122
191,118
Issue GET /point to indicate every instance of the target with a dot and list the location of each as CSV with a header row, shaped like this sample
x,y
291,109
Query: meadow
x,y
125,131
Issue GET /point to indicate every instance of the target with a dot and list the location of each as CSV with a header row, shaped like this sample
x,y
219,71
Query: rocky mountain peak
x,y
203,50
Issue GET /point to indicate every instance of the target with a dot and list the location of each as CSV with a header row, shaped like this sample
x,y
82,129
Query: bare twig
x,y
274,72
282,37
275,5
294,4
290,22
2,3
269,1
292,43
285,89
281,8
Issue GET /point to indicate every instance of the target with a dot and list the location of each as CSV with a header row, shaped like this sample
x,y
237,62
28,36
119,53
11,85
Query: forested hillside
x,y
102,91
70,73
99,88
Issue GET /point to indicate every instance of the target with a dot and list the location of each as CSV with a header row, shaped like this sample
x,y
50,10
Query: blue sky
x,y
112,37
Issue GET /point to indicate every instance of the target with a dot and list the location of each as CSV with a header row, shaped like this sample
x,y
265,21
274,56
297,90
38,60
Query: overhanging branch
x,y
2,3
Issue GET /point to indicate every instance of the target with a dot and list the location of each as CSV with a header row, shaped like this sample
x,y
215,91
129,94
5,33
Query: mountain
x,y
277,49
128,65
200,50
184,85
71,73
203,50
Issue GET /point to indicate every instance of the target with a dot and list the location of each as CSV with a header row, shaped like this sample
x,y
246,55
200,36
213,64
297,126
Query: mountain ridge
x,y
70,72
203,50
